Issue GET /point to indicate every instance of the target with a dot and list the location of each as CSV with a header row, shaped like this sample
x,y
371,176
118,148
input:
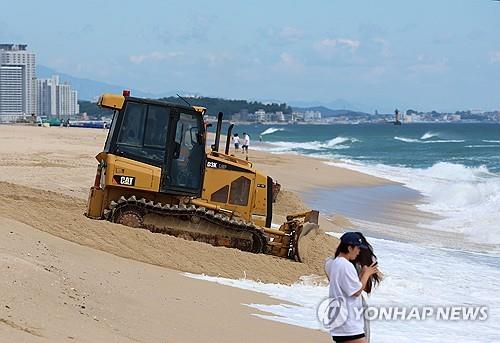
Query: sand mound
x,y
287,203
316,246
62,216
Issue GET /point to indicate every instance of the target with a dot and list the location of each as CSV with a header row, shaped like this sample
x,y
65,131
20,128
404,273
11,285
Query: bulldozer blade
x,y
308,217
306,229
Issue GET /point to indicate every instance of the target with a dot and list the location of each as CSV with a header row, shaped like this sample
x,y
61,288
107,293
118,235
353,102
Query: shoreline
x,y
45,174
409,223
73,179
300,174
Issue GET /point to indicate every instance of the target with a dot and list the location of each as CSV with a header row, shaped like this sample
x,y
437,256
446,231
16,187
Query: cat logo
x,y
124,180
217,165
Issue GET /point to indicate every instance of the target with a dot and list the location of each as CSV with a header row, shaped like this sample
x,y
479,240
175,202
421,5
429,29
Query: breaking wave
x,y
339,140
336,143
271,130
428,135
467,198
407,140
413,140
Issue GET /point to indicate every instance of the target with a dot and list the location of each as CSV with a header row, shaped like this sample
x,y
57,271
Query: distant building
x,y
46,96
66,100
260,115
278,116
242,115
54,99
297,116
17,82
312,115
415,118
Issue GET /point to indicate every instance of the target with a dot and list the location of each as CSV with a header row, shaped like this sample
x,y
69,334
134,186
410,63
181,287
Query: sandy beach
x,y
67,277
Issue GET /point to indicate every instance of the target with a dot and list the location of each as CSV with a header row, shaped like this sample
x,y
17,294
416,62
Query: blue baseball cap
x,y
352,238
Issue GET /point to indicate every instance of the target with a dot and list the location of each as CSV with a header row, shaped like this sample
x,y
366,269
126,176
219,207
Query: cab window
x,y
240,190
189,152
156,127
132,130
143,132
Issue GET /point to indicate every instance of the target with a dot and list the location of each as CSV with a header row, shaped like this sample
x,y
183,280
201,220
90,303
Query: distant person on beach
x,y
236,142
246,142
346,286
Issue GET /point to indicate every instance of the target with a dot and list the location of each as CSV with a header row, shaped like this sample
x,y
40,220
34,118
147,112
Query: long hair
x,y
342,248
367,257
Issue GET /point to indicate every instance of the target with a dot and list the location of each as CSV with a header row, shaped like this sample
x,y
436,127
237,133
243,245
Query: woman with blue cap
x,y
346,285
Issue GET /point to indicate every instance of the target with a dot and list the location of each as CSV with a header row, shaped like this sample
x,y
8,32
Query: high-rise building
x,y
46,96
74,107
17,82
55,99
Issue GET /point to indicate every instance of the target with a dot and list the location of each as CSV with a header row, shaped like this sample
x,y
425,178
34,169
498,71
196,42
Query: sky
x,y
376,55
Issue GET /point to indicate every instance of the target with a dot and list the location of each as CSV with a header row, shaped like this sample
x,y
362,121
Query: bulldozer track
x,y
189,222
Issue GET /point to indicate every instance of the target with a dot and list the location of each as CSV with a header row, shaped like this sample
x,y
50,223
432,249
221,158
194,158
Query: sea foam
x,y
408,281
428,135
335,143
468,198
271,130
413,140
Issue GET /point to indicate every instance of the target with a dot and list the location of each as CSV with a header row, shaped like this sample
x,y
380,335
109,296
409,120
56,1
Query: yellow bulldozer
x,y
156,173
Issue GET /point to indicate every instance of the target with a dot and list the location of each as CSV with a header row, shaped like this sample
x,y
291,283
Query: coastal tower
x,y
17,82
397,117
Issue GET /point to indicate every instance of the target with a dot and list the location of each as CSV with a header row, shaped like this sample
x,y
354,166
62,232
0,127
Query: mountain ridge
x,y
327,112
89,90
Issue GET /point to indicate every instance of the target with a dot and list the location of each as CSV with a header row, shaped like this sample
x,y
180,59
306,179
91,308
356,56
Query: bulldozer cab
x,y
165,135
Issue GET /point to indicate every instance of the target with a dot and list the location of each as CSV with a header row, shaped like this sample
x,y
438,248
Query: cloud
x,y
385,47
155,56
495,57
289,62
335,43
427,65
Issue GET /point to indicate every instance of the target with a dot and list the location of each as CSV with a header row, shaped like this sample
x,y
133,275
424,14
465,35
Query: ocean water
x,y
415,275
456,167
413,146
456,170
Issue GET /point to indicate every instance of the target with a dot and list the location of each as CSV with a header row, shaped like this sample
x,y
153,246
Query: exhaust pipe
x,y
228,138
215,146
